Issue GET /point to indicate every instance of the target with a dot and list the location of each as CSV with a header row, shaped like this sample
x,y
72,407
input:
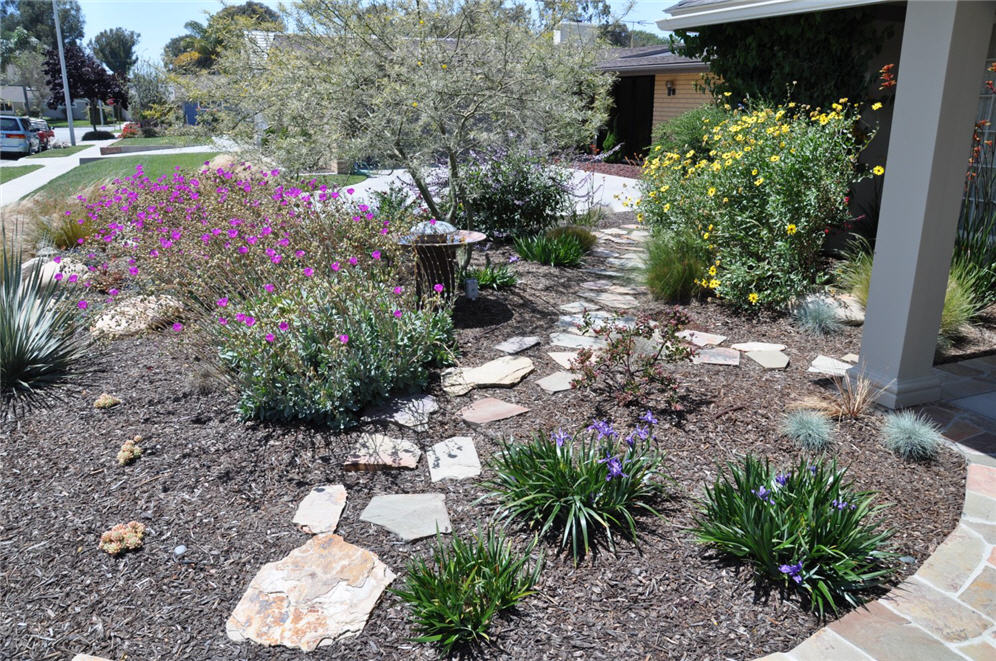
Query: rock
x,y
646,348
604,273
597,285
578,307
106,401
517,344
557,382
827,365
700,338
88,657
717,356
135,315
563,358
612,300
319,593
850,358
849,310
757,346
598,252
503,372
572,341
615,231
490,409
320,510
47,270
619,289
410,516
618,239
455,458
769,360
625,262
454,381
179,550
639,235
412,411
379,452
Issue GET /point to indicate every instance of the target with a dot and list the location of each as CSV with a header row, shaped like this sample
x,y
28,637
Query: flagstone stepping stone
x,y
757,346
572,341
717,356
379,452
850,358
616,239
135,315
701,339
557,382
490,409
320,510
503,372
612,300
769,360
563,358
614,230
410,516
412,411
578,307
827,365
88,657
317,594
517,344
631,226
604,273
598,252
640,234
620,289
625,262
455,458
597,285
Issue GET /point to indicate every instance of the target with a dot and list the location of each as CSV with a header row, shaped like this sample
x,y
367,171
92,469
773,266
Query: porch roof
x,y
696,13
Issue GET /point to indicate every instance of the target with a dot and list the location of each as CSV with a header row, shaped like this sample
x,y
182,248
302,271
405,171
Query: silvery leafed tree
x,y
414,84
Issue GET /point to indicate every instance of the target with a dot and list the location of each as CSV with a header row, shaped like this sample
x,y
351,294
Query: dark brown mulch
x,y
628,170
227,491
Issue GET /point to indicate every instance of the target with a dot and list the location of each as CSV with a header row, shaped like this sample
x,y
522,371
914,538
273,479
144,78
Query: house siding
x,y
686,96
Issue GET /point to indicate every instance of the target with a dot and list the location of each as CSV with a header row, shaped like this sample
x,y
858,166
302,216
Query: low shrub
x,y
806,530
817,316
514,194
457,594
811,430
98,135
41,345
675,262
493,276
688,130
130,130
580,234
911,436
395,205
564,250
631,367
579,489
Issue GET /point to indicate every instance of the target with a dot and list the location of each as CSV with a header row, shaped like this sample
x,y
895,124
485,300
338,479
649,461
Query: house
x,y
653,86
945,47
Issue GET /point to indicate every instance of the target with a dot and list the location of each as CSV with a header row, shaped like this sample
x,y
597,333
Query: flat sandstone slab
x,y
827,365
455,458
490,409
717,356
410,516
320,510
572,341
380,452
517,344
412,411
769,360
757,346
557,382
317,594
700,338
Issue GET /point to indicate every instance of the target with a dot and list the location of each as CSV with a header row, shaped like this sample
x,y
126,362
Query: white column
x,y
940,72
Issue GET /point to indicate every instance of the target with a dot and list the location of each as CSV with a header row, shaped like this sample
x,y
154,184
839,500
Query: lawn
x,y
88,174
164,140
339,180
60,153
11,173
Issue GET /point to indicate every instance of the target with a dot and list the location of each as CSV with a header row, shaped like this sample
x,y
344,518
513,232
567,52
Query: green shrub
x,y
609,142
395,205
491,276
686,131
98,135
514,194
772,182
579,490
806,530
675,262
560,251
911,436
40,339
817,316
580,234
455,597
810,429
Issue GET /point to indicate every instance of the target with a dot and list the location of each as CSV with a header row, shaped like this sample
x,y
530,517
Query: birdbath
x,y
436,244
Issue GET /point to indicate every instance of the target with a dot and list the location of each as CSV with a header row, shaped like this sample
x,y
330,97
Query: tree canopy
x,y
116,49
199,48
88,79
37,20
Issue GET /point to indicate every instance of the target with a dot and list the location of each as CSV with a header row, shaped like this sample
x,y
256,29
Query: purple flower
x,y
782,478
841,504
793,571
559,437
764,494
82,305
603,428
344,338
649,418
375,254
614,465
438,288
270,337
283,325
178,327
631,439
642,432
308,272
397,314
223,301
269,288
513,259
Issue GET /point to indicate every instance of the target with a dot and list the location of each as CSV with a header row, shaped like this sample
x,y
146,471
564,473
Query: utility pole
x,y
65,79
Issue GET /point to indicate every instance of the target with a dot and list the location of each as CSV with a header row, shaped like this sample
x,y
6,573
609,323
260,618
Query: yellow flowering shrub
x,y
770,184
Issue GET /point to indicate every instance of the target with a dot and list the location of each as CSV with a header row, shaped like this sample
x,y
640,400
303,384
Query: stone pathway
x,y
380,452
410,516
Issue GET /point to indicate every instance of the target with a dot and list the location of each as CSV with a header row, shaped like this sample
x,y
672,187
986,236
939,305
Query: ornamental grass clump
x,y
581,490
563,250
811,430
466,583
760,196
911,436
804,530
581,234
675,264
817,316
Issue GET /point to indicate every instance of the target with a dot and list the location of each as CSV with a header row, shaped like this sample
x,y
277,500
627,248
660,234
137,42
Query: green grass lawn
x,y
337,180
13,172
164,140
83,177
60,153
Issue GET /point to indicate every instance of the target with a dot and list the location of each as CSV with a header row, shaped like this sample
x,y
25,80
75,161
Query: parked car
x,y
44,132
16,136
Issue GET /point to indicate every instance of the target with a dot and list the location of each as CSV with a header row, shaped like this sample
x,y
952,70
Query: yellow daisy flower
x,y
752,297
878,170
791,229
876,105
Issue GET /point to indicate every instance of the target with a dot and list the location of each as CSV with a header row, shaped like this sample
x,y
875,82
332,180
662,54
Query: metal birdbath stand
x,y
437,247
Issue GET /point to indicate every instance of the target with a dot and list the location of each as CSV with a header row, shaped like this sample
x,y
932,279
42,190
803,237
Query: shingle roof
x,y
646,58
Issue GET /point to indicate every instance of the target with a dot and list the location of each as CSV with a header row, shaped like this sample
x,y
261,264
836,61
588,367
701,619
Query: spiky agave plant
x,y
40,348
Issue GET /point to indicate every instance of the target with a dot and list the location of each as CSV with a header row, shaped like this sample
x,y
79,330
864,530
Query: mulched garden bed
x,y
616,169
227,490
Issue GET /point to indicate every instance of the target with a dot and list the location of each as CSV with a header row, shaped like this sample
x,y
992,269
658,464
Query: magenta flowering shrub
x,y
296,290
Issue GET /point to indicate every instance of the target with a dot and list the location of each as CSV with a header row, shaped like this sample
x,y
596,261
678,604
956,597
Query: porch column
x,y
940,72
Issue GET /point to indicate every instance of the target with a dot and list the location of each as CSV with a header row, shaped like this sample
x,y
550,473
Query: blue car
x,y
16,136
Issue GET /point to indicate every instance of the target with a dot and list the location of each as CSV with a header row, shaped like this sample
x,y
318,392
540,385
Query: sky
x,y
158,21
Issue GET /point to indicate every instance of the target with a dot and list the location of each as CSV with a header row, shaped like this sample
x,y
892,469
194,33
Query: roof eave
x,y
690,67
747,10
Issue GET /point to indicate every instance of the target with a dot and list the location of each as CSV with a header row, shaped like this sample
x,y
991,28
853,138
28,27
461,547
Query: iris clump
x,y
457,594
562,250
817,316
579,490
911,436
494,276
805,530
810,429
